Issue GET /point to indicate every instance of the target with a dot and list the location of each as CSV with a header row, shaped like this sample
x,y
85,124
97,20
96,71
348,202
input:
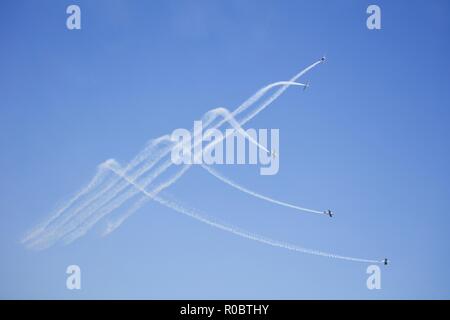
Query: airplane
x,y
329,212
274,153
323,58
385,261
306,86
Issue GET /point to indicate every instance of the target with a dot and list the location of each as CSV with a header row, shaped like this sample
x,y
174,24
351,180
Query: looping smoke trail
x,y
237,231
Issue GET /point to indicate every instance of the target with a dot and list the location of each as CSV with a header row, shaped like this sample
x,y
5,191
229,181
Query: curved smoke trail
x,y
225,114
237,231
73,220
103,208
230,182
104,196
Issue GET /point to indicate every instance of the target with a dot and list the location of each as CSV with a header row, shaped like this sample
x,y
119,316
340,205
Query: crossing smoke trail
x,y
228,181
79,221
225,114
112,225
88,207
97,180
108,192
237,231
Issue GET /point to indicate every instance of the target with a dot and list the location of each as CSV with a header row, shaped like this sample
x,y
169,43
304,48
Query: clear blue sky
x,y
370,140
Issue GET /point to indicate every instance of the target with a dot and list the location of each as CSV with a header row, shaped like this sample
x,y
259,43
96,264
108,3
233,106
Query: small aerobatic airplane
x,y
329,212
385,261
323,58
306,86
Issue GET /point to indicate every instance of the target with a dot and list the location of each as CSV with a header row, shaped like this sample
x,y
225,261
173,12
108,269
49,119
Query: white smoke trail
x,y
225,114
99,177
106,195
40,228
211,116
275,95
111,197
96,200
81,230
228,181
237,231
67,220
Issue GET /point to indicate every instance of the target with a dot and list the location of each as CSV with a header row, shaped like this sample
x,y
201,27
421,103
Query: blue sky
x,y
369,140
